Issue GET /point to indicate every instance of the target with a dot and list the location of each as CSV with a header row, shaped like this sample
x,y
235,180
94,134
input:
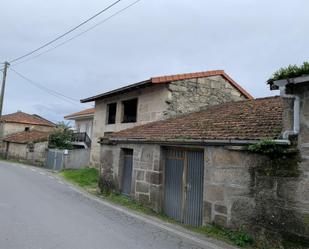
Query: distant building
x,y
25,136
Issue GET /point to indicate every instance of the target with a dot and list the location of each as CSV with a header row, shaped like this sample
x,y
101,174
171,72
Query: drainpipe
x,y
296,111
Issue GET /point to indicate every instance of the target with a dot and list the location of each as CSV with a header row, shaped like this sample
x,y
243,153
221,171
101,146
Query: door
x,y
127,171
173,184
183,190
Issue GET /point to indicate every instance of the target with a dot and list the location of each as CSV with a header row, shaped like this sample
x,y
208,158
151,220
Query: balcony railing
x,y
81,137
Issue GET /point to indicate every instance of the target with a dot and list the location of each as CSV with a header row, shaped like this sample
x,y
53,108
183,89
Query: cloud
x,y
248,39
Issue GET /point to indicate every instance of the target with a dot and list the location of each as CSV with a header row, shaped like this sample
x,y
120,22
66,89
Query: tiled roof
x,y
25,118
243,120
87,112
27,137
170,78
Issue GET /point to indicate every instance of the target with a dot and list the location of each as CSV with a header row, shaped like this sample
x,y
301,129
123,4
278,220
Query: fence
x,y
67,159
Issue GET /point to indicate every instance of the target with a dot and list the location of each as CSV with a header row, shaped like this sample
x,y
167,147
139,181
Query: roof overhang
x,y
121,90
197,142
291,81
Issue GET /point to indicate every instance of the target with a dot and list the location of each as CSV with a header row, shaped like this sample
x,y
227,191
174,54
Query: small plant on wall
x,y
290,71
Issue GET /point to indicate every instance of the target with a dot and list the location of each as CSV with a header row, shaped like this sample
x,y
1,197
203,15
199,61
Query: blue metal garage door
x,y
127,171
183,190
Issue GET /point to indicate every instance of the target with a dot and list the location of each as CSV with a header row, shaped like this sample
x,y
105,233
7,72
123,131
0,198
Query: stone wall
x,y
240,191
147,171
191,95
22,152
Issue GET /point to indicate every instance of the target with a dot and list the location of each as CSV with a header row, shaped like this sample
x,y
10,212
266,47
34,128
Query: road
x,y
39,211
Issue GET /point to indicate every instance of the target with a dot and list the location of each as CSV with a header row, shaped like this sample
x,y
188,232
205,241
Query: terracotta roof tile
x,y
86,112
25,118
27,137
244,120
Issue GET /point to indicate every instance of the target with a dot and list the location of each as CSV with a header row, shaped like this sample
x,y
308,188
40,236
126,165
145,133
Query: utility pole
x,y
6,65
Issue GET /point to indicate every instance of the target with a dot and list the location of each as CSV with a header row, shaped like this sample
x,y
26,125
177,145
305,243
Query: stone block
x,y
287,187
147,154
143,198
145,165
214,193
220,220
242,211
155,197
142,187
156,164
140,175
220,209
225,158
207,207
232,176
154,177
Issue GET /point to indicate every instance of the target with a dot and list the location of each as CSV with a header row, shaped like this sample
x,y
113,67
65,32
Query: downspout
x,y
296,113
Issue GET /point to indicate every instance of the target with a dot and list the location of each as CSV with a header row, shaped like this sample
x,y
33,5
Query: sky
x,y
249,39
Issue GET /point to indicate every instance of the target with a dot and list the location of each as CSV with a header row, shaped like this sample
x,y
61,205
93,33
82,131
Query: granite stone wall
x,y
241,192
191,95
147,171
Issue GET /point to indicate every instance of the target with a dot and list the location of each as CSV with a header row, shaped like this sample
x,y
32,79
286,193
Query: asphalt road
x,y
39,211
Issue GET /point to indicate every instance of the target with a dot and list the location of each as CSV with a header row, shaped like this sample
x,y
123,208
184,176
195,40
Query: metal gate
x,y
183,190
54,160
127,171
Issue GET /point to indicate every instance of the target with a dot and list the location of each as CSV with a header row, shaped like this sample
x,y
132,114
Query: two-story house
x,y
159,98
83,125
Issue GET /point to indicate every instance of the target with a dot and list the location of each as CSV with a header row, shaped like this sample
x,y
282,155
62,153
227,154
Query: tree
x,y
61,137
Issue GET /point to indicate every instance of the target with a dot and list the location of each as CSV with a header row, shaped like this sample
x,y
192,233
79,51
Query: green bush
x,y
290,71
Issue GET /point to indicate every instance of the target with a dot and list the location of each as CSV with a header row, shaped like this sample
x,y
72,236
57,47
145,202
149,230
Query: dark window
x,y
129,111
27,128
111,109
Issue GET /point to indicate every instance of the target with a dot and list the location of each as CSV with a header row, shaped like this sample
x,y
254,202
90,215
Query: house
x,y
159,98
83,126
24,136
196,168
20,121
30,145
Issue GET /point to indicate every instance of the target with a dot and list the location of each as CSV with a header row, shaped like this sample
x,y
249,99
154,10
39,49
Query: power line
x,y
66,33
80,34
48,90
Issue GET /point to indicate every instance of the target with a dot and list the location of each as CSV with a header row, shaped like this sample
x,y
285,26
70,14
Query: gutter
x,y
200,142
296,108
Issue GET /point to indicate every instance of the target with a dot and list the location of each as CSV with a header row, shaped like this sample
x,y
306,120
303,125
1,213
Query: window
x,y
129,111
27,128
111,113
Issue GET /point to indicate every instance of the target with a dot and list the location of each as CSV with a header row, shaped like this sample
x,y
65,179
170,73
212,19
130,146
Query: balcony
x,y
81,139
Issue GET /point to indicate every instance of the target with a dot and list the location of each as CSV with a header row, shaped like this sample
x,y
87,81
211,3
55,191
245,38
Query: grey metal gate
x,y
183,190
194,194
54,160
127,171
173,183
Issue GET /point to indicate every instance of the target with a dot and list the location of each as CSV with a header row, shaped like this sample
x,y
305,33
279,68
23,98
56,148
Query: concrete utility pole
x,y
6,65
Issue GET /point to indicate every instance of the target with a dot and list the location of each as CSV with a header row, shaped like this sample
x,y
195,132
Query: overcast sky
x,y
249,39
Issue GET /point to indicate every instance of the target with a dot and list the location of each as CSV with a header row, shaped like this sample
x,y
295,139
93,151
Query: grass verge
x,y
88,178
